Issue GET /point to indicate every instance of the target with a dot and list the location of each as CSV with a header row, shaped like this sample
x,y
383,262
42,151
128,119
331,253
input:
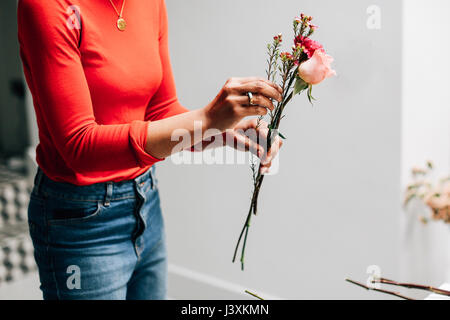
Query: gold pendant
x,y
121,24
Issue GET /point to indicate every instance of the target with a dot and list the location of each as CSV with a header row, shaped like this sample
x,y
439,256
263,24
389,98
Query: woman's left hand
x,y
247,135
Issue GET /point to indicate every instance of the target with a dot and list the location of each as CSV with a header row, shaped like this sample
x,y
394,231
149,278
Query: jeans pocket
x,y
65,211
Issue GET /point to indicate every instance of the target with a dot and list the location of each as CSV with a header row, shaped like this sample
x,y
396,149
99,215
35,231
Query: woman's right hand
x,y
224,112
232,102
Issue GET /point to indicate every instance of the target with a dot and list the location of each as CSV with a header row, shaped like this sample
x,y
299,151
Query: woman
x,y
106,107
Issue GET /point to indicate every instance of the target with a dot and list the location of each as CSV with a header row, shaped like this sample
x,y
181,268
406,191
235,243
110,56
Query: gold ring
x,y
250,98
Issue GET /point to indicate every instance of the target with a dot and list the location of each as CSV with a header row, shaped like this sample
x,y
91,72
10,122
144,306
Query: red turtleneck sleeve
x,y
94,87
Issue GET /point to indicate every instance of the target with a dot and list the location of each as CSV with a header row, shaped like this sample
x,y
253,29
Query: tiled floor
x,y
26,288
16,249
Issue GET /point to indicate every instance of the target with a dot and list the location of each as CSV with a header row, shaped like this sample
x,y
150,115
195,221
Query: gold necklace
x,y
121,23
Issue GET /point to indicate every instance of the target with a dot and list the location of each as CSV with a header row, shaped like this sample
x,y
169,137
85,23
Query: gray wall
x,y
13,125
333,208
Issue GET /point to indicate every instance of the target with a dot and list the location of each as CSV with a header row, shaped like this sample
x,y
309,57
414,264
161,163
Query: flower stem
x,y
246,225
275,122
288,75
245,242
253,294
413,286
392,293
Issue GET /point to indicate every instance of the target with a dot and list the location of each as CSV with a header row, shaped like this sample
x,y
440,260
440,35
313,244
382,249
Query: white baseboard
x,y
186,284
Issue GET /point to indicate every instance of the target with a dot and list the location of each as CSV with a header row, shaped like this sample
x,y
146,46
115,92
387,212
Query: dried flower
x,y
435,195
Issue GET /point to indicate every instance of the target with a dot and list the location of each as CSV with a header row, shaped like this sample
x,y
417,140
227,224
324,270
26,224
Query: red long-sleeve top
x,y
95,88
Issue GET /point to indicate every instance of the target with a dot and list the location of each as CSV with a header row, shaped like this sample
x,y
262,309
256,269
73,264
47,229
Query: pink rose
x,y
316,69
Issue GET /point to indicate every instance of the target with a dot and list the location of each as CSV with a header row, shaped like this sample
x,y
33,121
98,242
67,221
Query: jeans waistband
x,y
103,191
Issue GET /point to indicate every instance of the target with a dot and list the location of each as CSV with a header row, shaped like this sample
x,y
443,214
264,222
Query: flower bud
x,y
286,56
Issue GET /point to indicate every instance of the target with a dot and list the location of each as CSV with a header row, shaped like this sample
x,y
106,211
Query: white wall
x,y
425,131
333,209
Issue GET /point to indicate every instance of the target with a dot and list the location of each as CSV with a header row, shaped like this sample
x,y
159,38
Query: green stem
x,y
288,79
245,242
259,180
253,294
241,234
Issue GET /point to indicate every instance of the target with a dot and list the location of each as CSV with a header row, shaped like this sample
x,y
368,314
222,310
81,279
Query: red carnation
x,y
310,46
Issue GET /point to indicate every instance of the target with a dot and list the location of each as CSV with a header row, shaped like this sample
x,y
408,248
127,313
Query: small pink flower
x,y
278,38
285,56
316,69
309,45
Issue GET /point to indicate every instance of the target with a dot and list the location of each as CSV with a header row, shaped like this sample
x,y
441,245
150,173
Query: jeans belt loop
x,y
152,177
109,191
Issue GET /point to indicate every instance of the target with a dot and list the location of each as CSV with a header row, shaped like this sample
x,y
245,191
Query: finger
x,y
260,136
266,165
273,151
260,87
253,145
254,79
263,169
253,123
252,111
263,132
244,111
262,101
258,131
263,124
258,100
243,143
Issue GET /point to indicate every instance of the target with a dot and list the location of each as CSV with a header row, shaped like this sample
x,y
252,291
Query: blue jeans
x,y
101,241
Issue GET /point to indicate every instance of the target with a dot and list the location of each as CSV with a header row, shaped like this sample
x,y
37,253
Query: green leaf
x,y
281,136
310,97
299,86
